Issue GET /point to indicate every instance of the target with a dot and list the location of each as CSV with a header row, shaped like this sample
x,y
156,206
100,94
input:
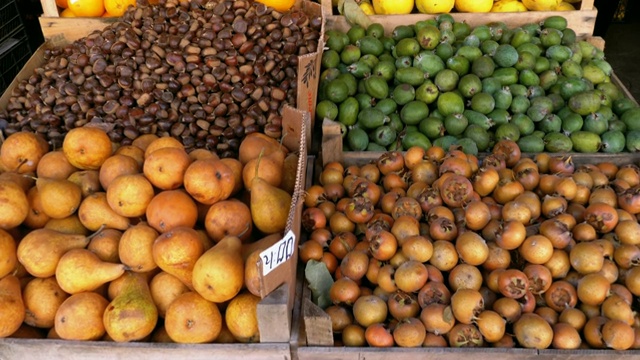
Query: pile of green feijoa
x,y
442,82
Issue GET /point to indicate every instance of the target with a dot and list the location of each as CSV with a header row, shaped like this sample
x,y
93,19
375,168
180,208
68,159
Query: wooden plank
x,y
331,149
323,353
587,5
20,349
49,8
33,63
66,30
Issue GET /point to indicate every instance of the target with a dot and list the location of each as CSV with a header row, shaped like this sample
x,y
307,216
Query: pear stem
x,y
258,162
97,232
30,177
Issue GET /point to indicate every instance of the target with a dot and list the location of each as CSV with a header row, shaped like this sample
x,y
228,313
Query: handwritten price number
x,y
278,253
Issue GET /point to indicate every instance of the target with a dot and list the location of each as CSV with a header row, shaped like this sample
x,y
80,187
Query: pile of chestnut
x,y
440,248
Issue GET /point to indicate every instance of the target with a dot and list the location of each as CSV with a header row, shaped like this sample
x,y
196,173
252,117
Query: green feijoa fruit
x,y
530,48
461,29
526,61
520,36
543,103
448,26
483,32
631,118
528,78
468,146
595,123
550,37
342,67
632,141
387,106
432,127
336,40
568,36
520,104
359,69
445,142
355,33
483,102
542,64
348,111
571,69
413,112
415,138
488,47
337,91
507,131
507,36
350,54
548,78
445,18
329,74
470,40
506,76
560,53
605,112
497,28
535,91
478,119
376,30
540,134
428,37
611,90
550,123
558,101
585,142
585,103
403,62
410,75
557,143
326,109
455,124
403,93
370,45
622,105
376,86
446,80
518,89
613,142
572,123
407,47
490,84
383,136
617,125
395,122
573,86
357,139
402,31
502,98
537,112
385,69
330,59
505,56
370,60
395,146
479,135
564,112
576,54
469,52
444,50
459,64
429,63
532,27
372,146
364,100
555,22
483,66
361,87
388,44
469,85
603,65
351,81
371,118
499,116
593,73
450,103
531,144
427,92
525,125
422,23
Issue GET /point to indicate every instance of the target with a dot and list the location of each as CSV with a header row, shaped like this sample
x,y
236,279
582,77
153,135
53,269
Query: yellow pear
x,y
132,314
41,249
106,245
8,250
87,147
267,167
289,173
94,212
81,270
14,204
218,275
12,311
177,251
22,151
136,247
192,319
79,317
68,225
87,180
164,289
42,298
251,254
241,317
59,198
269,206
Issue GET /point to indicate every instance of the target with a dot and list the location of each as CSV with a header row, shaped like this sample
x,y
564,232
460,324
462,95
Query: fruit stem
x,y
258,162
97,232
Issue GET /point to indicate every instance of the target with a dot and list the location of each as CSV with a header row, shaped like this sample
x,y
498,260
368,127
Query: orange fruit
x,y
117,8
280,5
67,13
87,8
62,3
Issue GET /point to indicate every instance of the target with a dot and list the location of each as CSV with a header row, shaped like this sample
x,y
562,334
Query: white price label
x,y
278,253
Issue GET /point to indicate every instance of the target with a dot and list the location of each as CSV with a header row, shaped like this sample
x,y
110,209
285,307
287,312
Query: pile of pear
x,y
138,242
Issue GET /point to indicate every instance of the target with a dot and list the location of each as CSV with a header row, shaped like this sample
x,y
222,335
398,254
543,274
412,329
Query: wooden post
x,y
317,324
274,316
331,148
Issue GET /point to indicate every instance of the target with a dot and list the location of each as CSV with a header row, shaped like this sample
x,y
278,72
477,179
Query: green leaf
x,y
353,13
320,282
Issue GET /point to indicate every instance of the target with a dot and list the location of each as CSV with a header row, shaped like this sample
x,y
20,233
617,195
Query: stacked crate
x,y
14,44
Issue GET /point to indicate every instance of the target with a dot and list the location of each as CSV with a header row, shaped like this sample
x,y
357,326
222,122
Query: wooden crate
x,y
582,20
60,29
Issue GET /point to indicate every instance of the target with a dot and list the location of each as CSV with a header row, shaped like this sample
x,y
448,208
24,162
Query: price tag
x,y
278,253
